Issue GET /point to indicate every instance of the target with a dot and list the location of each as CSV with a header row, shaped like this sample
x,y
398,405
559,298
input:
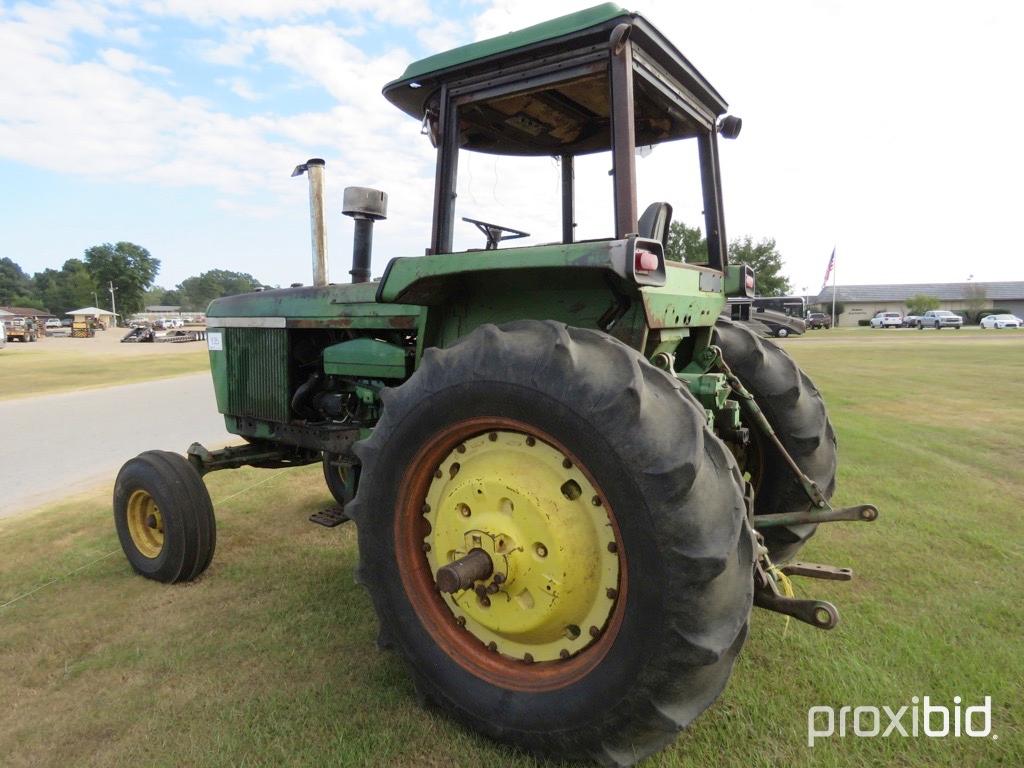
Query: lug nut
x,y
541,550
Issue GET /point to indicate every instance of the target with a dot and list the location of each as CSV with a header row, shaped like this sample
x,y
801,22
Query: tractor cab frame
x,y
598,80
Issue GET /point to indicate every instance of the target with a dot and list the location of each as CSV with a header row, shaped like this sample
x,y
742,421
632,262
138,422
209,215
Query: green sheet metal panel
x,y
365,358
415,278
681,303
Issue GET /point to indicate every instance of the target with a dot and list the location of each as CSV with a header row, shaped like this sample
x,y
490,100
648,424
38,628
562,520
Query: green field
x,y
54,365
270,658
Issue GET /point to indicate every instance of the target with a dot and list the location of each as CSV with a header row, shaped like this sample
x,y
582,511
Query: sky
x,y
887,130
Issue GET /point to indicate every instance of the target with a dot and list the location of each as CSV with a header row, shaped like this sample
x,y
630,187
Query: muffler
x,y
314,168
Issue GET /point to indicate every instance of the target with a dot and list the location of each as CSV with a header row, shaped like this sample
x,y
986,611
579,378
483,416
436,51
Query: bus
x,y
794,306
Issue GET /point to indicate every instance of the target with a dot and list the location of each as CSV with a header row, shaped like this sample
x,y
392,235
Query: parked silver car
x,y
939,319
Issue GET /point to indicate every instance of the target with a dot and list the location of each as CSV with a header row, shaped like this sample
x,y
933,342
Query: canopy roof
x,y
567,110
90,311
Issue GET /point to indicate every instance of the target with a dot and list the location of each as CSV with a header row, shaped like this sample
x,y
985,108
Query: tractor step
x,y
330,517
817,571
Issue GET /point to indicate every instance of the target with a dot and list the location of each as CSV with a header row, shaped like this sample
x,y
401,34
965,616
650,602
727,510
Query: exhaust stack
x,y
366,206
314,168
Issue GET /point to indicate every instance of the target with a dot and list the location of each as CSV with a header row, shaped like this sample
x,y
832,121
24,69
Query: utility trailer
x,y
571,479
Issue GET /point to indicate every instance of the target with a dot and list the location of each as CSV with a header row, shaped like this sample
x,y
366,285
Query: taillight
x,y
646,261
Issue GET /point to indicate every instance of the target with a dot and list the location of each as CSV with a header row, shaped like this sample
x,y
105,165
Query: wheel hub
x,y
145,524
554,568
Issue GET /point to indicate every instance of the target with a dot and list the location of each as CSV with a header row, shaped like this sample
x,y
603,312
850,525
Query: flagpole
x,y
833,290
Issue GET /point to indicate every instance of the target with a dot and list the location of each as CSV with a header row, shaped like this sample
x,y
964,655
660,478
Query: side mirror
x,y
730,126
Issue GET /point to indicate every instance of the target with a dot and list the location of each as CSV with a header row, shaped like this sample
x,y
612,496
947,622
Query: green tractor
x,y
571,479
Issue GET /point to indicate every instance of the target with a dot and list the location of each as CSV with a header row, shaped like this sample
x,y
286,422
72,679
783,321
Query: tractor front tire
x,y
164,517
337,477
796,411
592,481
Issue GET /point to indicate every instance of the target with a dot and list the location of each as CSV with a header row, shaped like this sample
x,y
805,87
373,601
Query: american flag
x,y
831,266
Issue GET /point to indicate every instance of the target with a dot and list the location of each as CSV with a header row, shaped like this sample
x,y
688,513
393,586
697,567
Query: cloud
x,y
241,88
400,12
122,61
443,35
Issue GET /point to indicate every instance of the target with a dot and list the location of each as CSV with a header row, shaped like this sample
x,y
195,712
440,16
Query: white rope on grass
x,y
115,551
54,581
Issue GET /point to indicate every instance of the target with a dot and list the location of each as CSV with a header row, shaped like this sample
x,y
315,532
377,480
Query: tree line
x,y
128,269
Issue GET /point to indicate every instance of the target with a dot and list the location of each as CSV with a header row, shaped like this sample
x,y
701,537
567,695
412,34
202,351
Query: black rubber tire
x,y
336,478
190,531
676,492
796,411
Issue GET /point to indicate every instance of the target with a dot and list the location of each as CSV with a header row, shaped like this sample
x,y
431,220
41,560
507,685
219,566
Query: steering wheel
x,y
495,233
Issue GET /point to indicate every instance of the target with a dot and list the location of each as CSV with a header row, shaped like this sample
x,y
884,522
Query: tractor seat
x,y
655,222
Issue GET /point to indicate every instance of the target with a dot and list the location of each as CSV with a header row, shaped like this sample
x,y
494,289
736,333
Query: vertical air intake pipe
x,y
366,206
314,167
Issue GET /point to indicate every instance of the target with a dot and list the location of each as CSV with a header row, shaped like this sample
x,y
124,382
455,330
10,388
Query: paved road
x,y
59,444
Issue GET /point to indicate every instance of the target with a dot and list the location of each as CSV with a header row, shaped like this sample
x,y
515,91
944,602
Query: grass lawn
x,y
63,364
270,658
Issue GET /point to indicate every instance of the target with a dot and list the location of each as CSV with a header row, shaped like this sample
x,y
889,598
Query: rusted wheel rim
x,y
538,662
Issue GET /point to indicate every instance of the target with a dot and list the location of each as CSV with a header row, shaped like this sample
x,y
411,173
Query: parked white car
x,y
887,320
1001,321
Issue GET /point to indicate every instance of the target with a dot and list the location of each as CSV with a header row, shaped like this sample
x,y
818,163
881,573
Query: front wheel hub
x,y
521,546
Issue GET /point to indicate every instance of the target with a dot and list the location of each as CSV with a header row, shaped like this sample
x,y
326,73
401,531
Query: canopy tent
x,y
91,312
103,315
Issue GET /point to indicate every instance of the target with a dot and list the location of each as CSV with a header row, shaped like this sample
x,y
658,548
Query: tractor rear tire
x,y
672,493
164,517
797,413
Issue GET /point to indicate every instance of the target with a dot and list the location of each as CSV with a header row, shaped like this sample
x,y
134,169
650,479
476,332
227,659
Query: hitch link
x,y
817,613
865,513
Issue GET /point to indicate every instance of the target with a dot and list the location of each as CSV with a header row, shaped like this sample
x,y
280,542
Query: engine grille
x,y
257,363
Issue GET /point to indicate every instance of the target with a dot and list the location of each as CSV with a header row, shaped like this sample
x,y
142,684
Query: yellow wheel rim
x,y
145,524
551,542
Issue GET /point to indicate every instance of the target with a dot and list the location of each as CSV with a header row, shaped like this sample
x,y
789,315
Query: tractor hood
x,y
348,305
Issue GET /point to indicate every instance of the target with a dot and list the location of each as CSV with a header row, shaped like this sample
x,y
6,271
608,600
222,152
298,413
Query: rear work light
x,y
646,261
